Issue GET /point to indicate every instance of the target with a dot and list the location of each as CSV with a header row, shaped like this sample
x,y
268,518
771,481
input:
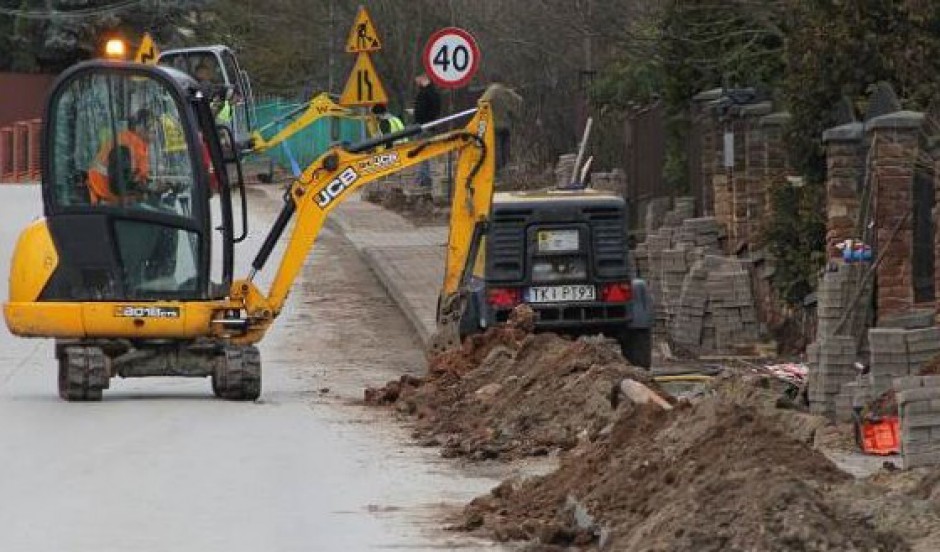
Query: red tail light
x,y
617,292
503,297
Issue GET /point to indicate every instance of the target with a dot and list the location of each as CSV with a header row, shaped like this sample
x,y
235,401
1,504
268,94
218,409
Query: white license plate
x,y
559,294
558,240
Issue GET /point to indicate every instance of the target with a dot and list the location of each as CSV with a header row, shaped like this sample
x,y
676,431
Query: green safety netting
x,y
309,143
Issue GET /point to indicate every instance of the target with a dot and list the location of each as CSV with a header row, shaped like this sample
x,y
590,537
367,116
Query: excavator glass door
x,y
125,187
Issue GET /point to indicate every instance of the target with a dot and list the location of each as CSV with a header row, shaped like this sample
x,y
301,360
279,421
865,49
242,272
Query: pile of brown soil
x,y
508,393
719,475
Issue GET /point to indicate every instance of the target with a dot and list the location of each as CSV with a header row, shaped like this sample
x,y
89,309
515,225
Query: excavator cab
x,y
217,69
126,187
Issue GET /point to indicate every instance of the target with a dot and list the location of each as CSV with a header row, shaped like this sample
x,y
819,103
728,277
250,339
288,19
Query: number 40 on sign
x,y
451,57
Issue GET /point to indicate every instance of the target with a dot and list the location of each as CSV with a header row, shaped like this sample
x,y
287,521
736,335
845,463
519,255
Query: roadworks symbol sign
x,y
364,86
363,37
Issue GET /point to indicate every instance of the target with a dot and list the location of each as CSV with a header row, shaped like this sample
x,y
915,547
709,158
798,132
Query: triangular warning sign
x,y
148,52
363,36
364,86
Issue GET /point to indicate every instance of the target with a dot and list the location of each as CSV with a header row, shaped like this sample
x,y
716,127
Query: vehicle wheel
x,y
237,374
637,347
83,373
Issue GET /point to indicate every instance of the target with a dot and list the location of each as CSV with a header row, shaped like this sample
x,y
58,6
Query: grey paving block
x,y
920,420
920,448
918,394
916,434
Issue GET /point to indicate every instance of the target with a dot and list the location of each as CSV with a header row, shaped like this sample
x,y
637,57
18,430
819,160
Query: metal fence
x,y
644,157
308,144
19,151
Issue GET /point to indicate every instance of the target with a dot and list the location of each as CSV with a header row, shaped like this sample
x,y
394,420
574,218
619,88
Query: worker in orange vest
x,y
118,171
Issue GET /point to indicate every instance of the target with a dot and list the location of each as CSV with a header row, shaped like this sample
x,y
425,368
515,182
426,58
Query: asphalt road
x,y
162,465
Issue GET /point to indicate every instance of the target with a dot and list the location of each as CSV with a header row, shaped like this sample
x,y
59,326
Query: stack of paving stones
x,y
852,395
731,305
689,327
656,211
705,233
897,352
835,386
684,208
563,169
716,310
918,400
651,260
833,366
835,294
614,181
703,300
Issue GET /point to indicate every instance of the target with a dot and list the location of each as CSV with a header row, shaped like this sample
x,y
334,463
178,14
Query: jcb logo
x,y
336,187
378,163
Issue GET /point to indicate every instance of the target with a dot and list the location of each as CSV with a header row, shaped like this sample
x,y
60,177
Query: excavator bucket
x,y
469,212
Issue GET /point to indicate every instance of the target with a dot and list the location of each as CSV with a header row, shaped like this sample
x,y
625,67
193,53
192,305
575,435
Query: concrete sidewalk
x,y
408,259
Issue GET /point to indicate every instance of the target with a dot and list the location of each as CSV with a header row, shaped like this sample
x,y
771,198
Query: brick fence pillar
x,y
776,161
709,133
845,173
895,143
754,169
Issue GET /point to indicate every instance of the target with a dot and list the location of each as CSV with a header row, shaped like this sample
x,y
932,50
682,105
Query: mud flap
x,y
641,306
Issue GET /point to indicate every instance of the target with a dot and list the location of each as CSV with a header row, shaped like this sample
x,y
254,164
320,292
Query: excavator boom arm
x,y
333,178
320,106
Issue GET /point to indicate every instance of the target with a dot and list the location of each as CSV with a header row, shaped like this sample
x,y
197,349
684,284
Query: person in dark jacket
x,y
427,108
507,107
427,101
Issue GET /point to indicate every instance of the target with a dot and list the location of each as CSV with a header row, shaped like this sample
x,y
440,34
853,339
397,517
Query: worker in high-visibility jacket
x,y
222,108
122,166
173,140
388,123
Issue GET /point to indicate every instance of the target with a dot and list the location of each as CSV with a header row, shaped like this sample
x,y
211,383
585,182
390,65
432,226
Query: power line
x,y
71,14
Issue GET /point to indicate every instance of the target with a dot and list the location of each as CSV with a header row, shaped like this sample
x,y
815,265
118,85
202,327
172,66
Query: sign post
x,y
451,58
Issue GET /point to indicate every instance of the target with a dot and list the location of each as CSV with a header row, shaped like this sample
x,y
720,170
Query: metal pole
x,y
450,155
581,148
330,40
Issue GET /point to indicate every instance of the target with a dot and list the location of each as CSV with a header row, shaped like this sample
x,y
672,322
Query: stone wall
x,y
754,193
739,196
776,162
894,143
845,171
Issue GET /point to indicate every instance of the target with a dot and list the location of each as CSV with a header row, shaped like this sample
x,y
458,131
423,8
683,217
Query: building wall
x,y
23,96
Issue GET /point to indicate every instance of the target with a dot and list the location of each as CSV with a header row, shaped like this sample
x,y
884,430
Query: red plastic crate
x,y
882,437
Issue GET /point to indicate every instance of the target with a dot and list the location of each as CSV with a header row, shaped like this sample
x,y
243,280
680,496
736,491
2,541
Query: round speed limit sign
x,y
451,57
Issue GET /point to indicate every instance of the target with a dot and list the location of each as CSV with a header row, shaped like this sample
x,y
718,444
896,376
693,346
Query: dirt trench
x,y
726,471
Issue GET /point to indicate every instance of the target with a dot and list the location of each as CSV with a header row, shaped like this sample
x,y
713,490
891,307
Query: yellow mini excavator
x,y
121,269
